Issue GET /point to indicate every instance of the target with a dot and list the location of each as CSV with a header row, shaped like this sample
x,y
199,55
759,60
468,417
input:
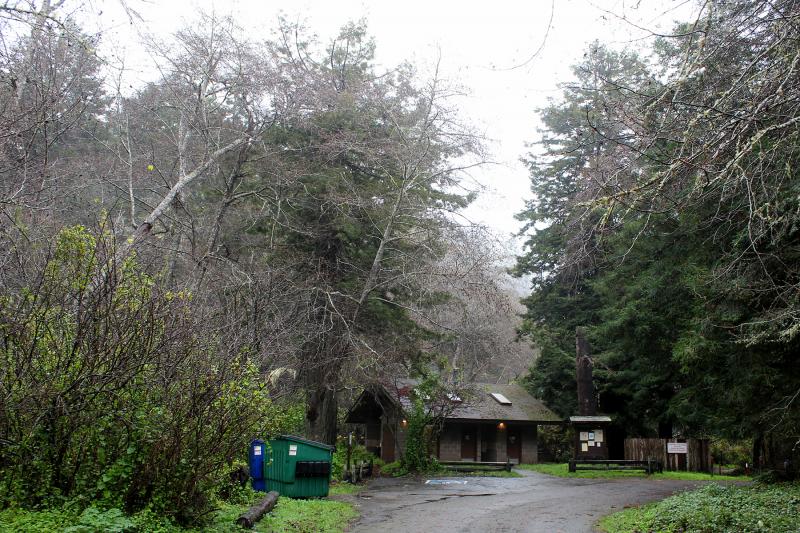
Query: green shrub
x,y
767,477
94,520
150,522
417,457
774,508
395,469
731,452
116,392
241,494
557,441
22,521
358,454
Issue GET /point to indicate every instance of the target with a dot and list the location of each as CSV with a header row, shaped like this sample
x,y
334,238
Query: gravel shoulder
x,y
532,503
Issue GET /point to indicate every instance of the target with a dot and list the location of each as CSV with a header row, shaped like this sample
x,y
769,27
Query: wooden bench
x,y
649,466
473,466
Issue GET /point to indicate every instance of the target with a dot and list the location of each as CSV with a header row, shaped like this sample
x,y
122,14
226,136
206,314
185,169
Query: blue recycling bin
x,y
256,459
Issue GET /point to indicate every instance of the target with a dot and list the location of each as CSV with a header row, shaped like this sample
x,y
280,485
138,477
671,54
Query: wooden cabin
x,y
483,422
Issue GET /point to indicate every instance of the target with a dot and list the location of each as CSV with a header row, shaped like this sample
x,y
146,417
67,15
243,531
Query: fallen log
x,y
257,511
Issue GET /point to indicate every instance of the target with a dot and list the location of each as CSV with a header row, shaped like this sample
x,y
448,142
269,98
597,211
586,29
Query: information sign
x,y
677,447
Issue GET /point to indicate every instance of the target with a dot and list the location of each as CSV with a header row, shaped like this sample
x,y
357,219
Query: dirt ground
x,y
532,503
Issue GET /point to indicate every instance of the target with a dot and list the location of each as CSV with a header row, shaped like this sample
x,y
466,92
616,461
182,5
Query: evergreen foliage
x,y
664,218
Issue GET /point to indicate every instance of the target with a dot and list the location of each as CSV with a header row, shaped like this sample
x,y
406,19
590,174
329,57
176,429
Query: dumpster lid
x,y
306,441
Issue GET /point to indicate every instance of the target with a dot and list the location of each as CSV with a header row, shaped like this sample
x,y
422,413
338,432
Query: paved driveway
x,y
533,503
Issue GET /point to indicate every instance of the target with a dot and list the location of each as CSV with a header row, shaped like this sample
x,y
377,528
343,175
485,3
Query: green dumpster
x,y
298,468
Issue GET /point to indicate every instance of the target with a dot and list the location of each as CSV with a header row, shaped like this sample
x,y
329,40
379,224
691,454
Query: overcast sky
x,y
479,43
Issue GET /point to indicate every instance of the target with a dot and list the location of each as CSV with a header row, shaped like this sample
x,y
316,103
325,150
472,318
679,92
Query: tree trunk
x,y
757,444
322,413
324,360
587,401
257,511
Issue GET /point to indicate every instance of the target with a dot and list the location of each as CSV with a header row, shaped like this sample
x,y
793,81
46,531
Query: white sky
x,y
478,41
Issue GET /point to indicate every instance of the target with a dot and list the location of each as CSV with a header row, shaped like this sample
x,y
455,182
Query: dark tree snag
x,y
257,511
587,402
321,413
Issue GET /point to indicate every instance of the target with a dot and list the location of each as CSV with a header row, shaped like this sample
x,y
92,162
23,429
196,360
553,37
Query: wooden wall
x,y
698,458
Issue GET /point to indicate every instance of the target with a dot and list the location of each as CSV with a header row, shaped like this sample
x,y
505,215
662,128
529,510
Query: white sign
x,y
598,435
257,450
293,449
584,435
677,447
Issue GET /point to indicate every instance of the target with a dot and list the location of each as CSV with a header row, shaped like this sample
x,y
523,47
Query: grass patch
x,y
308,516
396,469
347,488
562,470
633,519
494,473
296,516
482,473
773,508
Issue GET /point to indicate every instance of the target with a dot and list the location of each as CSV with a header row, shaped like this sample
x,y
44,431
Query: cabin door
x,y
513,445
387,443
468,445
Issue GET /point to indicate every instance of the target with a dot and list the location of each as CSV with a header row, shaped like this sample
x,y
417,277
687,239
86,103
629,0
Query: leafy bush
x,y
151,522
423,426
23,521
731,452
768,477
417,455
236,493
557,442
395,469
115,392
94,520
358,454
774,508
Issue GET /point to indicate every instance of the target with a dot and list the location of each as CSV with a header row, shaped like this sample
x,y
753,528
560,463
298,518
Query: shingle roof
x,y
478,403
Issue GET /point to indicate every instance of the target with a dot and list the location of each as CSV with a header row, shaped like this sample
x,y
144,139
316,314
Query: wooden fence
x,y
697,458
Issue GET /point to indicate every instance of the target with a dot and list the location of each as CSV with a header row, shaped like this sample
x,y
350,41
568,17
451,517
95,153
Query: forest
x,y
222,253
234,248
664,218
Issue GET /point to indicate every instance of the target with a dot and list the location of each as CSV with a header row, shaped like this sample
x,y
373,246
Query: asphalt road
x,y
533,503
